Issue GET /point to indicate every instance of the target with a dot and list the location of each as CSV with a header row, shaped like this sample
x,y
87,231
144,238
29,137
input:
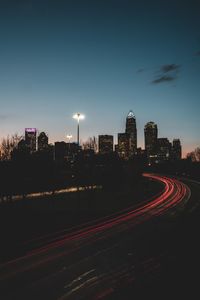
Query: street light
x,y
78,117
69,137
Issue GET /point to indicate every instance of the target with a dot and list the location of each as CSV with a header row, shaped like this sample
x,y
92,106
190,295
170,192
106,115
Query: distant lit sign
x,y
30,129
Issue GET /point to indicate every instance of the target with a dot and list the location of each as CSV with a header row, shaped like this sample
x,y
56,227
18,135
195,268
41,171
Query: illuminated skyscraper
x,y
150,138
30,139
131,130
123,148
42,141
105,144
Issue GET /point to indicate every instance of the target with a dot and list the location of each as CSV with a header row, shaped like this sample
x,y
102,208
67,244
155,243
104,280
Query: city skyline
x,y
38,132
103,59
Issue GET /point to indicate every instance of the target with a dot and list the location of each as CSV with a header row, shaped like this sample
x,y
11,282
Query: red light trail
x,y
173,194
92,261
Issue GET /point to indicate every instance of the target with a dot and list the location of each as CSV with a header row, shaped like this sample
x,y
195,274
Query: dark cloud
x,y
164,78
140,70
167,73
170,68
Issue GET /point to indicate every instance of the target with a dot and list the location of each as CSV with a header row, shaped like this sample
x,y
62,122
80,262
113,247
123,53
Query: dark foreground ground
x,y
164,253
24,220
172,251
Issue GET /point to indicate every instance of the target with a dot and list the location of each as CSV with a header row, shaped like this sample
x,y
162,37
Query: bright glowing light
x,y
130,115
30,129
69,136
78,116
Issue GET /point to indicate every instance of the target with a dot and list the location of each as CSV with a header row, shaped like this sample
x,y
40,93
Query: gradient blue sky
x,y
100,58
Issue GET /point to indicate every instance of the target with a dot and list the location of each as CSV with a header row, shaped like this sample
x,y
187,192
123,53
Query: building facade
x,y
123,148
105,144
131,130
30,139
43,141
176,149
163,150
150,140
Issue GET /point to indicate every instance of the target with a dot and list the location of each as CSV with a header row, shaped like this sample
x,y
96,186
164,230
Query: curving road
x,y
93,261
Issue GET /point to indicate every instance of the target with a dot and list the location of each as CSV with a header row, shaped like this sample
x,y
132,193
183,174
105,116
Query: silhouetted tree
x,y
194,155
91,143
8,144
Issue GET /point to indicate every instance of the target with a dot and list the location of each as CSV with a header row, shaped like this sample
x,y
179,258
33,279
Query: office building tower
x,y
42,141
150,140
30,139
163,150
105,144
131,130
176,149
123,147
65,152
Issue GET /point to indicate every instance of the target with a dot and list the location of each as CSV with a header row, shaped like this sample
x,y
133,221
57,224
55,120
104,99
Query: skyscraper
x,y
42,141
123,148
105,144
30,139
131,130
150,138
176,149
163,150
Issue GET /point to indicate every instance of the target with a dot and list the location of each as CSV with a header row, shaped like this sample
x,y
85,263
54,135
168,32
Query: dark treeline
x,y
182,168
37,173
121,181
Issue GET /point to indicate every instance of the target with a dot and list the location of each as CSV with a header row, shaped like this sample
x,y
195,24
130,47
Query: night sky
x,y
101,58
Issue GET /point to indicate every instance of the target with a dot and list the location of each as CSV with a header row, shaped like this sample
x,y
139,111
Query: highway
x,y
94,260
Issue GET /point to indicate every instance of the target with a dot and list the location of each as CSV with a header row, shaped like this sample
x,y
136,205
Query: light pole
x,y
69,137
78,117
